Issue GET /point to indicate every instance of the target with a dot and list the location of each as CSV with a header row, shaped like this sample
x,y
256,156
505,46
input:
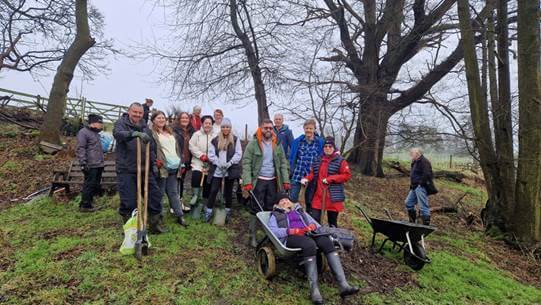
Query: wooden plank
x,y
74,174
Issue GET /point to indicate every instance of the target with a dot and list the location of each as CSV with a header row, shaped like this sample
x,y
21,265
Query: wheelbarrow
x,y
270,249
406,236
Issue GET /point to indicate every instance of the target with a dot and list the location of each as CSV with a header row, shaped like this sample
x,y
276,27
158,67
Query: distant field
x,y
438,160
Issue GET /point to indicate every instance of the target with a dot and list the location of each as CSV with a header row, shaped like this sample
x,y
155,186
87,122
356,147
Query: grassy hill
x,y
52,254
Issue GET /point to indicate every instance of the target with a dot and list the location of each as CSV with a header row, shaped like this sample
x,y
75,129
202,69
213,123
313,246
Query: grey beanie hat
x,y
226,122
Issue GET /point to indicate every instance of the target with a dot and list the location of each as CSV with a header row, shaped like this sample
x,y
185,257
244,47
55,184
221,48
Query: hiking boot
x,y
252,228
336,266
310,266
181,221
87,209
426,220
155,224
412,214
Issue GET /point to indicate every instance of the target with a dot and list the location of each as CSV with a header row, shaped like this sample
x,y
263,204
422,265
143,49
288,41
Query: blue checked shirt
x,y
305,156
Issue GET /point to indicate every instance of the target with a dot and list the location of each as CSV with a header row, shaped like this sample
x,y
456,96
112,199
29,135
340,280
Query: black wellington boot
x,y
252,227
336,266
181,221
310,265
155,224
426,220
412,214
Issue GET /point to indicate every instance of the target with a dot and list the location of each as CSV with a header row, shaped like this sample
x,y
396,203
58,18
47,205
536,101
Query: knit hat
x,y
279,196
226,122
94,118
205,117
329,141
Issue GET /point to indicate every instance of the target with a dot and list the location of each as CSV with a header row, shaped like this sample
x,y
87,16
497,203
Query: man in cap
x,y
90,156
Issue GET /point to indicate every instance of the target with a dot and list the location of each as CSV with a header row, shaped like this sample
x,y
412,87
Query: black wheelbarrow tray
x,y
404,235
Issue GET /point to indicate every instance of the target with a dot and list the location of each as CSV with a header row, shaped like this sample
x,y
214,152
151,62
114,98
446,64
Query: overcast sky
x,y
128,80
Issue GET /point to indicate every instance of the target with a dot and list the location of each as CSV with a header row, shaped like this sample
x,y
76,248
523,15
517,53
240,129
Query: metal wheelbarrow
x,y
404,235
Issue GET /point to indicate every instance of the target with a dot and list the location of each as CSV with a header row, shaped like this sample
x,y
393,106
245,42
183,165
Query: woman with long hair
x,y
225,154
168,161
183,130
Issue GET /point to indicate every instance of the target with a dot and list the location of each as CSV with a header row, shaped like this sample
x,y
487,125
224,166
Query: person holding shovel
x,y
168,161
224,155
264,170
199,147
127,130
330,172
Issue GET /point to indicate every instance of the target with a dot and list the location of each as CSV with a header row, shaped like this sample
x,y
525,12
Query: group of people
x,y
274,167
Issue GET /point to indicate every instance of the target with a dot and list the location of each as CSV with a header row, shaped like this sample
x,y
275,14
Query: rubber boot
x,y
412,214
252,227
310,265
227,215
208,214
195,196
155,224
181,221
426,220
336,266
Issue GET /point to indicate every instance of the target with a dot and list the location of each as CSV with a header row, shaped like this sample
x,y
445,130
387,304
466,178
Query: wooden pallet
x,y
75,176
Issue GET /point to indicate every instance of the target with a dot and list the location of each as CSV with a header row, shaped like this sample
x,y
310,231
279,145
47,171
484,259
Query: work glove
x,y
159,163
304,181
286,186
204,158
325,181
248,187
296,231
141,135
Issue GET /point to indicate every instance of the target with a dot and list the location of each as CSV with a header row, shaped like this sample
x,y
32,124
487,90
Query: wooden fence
x,y
75,107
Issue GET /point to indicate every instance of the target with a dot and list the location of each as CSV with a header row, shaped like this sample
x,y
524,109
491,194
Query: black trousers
x,y
215,187
332,217
91,186
181,180
196,182
265,190
127,189
310,245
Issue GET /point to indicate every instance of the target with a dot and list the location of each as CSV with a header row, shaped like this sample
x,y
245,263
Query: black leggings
x,y
215,187
332,217
310,245
196,183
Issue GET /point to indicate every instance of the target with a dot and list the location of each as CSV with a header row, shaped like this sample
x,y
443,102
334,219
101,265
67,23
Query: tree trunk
x,y
252,56
369,139
52,122
495,209
502,113
527,216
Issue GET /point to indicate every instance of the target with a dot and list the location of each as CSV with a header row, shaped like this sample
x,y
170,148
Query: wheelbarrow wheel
x,y
412,260
322,265
266,262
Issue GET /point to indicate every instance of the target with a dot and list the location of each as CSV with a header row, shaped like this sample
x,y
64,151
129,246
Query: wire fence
x,y
76,108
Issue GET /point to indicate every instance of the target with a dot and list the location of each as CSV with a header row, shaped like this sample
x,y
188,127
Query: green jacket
x,y
253,159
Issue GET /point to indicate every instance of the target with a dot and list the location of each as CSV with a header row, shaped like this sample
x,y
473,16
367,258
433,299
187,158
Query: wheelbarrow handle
x,y
254,198
364,214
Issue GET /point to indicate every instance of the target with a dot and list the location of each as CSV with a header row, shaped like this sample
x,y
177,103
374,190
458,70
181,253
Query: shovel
x,y
220,214
323,206
141,244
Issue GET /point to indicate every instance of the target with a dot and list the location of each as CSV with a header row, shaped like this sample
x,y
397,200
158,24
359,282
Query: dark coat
x,y
89,150
126,147
179,135
285,138
421,172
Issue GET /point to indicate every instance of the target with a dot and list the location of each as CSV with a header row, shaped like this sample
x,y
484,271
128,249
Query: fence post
x,y
246,133
450,161
83,107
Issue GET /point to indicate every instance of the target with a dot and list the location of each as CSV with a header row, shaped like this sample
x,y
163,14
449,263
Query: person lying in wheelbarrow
x,y
297,229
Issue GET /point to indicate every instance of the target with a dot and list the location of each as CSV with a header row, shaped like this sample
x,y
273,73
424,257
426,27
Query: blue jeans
x,y
418,195
308,195
169,187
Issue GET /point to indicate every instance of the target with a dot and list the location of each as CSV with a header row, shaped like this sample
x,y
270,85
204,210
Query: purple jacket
x,y
279,222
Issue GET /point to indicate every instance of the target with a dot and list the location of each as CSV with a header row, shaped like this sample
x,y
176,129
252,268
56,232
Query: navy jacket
x,y
285,138
126,147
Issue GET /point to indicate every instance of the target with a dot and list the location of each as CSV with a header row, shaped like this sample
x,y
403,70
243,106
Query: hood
x,y
284,128
259,137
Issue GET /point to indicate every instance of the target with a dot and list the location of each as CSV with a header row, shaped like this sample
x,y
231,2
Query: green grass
x,y
51,254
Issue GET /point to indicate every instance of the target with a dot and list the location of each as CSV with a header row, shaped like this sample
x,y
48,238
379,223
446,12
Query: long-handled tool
x,y
302,197
220,213
323,206
141,244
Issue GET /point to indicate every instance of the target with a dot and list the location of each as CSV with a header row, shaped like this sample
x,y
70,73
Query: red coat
x,y
196,122
344,174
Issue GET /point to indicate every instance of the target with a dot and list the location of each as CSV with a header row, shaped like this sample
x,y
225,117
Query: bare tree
x,y
50,129
36,34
